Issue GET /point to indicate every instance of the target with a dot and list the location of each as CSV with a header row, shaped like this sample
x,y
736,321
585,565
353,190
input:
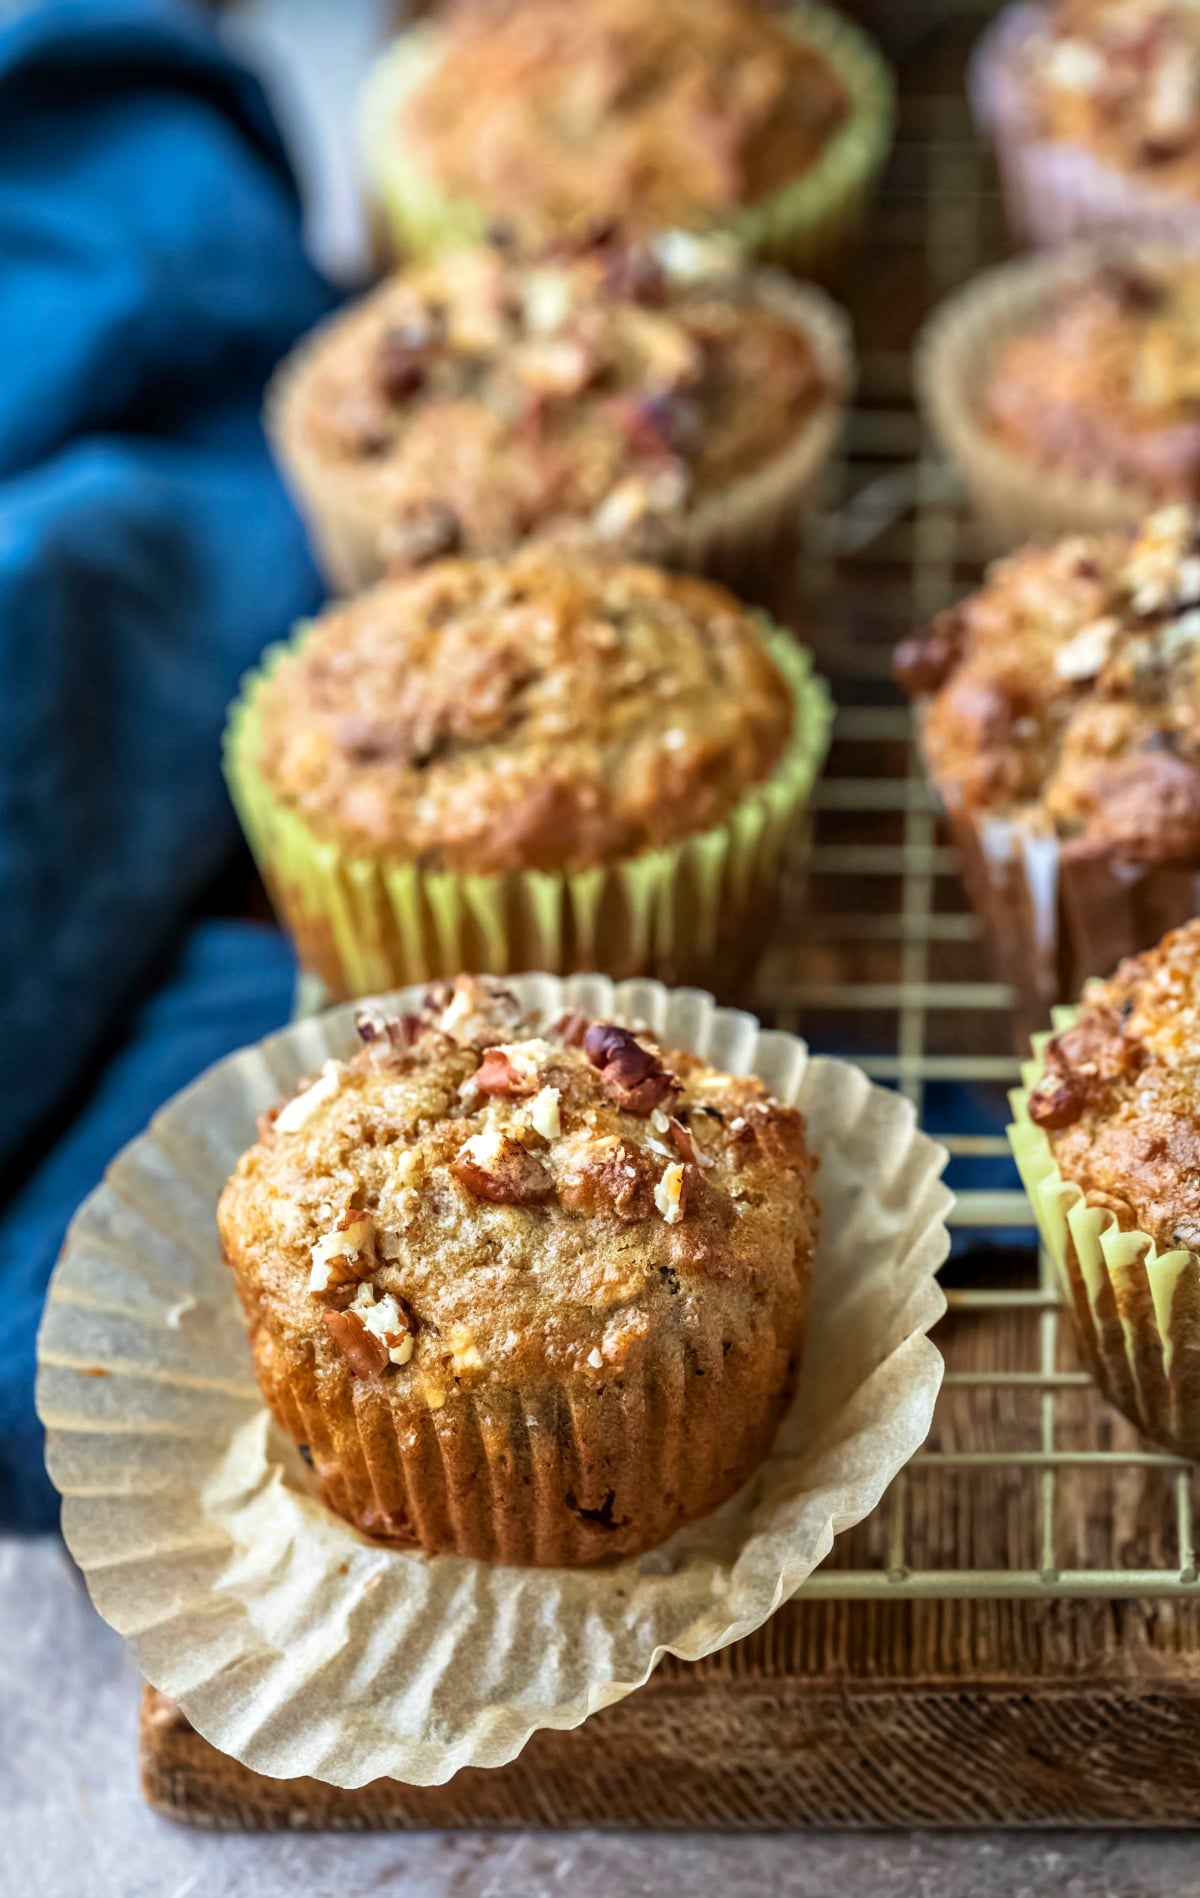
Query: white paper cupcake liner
x,y
734,534
1015,497
1056,191
300,1648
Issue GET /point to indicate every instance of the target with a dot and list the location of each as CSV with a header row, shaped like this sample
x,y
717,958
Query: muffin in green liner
x,y
803,221
1113,1082
630,898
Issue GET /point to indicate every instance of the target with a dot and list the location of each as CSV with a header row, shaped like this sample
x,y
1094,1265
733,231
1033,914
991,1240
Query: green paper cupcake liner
x,y
804,225
696,910
1136,1310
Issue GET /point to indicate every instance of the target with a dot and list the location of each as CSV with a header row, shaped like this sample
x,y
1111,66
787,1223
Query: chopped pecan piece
x,y
365,1354
498,1075
776,1129
378,1030
571,1028
634,1077
1058,1100
494,1166
608,1176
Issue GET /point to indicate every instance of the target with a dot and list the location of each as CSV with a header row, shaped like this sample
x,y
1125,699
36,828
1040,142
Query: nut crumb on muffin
x,y
1102,379
548,113
1119,1099
1064,694
548,712
420,1246
1122,79
594,390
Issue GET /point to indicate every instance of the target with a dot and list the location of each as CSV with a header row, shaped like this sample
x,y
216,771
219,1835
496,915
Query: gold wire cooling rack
x,y
1030,1485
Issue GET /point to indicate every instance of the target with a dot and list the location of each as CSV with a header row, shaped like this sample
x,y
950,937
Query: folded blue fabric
x,y
151,274
232,984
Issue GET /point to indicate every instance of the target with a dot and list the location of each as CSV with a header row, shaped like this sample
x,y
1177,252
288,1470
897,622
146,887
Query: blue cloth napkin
x,y
151,274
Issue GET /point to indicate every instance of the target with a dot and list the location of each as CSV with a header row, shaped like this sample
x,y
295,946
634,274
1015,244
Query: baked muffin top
x,y
547,113
1121,77
546,712
1065,693
1120,1098
476,1197
1104,379
486,398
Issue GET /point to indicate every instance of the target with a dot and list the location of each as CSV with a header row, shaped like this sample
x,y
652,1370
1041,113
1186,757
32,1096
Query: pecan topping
x,y
1058,1100
494,1166
777,1130
497,1074
571,1028
634,1078
609,1176
922,666
365,1354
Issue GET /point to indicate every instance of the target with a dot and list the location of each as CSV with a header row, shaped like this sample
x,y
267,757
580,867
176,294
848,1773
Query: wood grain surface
x,y
852,1713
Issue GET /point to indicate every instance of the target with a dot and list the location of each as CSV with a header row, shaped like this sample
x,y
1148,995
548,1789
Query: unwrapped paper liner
x,y
738,534
689,911
1016,497
805,225
1054,916
1136,1310
300,1648
1055,190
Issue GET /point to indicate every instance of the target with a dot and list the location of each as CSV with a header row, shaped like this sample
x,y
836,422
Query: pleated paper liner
x,y
735,535
1054,190
805,225
1052,916
1016,497
696,910
1136,1310
300,1647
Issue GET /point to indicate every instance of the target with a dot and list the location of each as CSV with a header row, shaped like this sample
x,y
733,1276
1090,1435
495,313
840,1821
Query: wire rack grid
x,y
1030,1485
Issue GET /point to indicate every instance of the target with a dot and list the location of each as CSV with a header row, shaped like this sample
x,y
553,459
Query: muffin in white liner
x,y
297,1646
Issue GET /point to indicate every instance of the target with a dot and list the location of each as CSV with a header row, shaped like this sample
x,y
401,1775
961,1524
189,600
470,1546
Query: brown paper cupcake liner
x,y
695,910
805,226
531,1476
1016,497
1051,917
1136,1311
297,1645
1055,191
736,535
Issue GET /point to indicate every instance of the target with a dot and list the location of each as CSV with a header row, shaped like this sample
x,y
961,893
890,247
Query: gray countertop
x,y
72,1824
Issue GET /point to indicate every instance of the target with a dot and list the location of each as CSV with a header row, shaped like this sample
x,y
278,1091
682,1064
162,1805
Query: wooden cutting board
x,y
853,1713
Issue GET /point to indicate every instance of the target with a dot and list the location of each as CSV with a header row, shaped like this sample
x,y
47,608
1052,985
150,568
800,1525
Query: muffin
x,y
547,762
529,1292
1060,724
657,398
544,116
1094,106
1066,390
1107,1134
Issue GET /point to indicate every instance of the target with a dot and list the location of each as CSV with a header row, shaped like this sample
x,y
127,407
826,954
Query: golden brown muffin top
x,y
590,392
1104,380
1065,693
1121,77
1120,1099
546,712
547,113
476,1197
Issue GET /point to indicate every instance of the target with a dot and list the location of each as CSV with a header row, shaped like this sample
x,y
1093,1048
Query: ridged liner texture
x,y
1136,1311
688,911
1056,191
806,225
1016,497
1053,916
732,535
301,1648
